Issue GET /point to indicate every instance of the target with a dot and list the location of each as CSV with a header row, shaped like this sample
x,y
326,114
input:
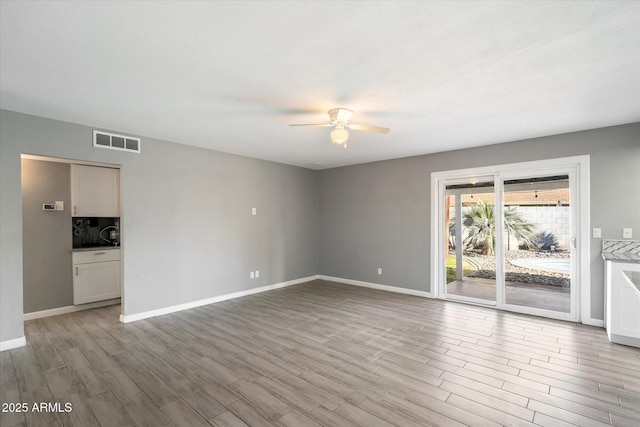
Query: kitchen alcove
x,y
50,236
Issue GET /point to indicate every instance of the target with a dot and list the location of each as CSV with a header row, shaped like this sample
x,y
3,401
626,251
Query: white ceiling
x,y
231,76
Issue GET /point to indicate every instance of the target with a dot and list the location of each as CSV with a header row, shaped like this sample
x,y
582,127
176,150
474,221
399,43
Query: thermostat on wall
x,y
57,206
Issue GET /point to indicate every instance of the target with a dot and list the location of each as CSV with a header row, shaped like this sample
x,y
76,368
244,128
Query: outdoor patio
x,y
524,294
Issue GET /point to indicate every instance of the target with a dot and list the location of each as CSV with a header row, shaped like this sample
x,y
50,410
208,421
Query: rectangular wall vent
x,y
116,142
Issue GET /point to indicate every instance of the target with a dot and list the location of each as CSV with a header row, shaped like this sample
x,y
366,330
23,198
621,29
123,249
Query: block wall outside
x,y
550,219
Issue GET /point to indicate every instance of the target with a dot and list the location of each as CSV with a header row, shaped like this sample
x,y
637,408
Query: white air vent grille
x,y
116,142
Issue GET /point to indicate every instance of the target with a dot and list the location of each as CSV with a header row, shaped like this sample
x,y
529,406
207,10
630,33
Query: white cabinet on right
x,y
622,309
95,191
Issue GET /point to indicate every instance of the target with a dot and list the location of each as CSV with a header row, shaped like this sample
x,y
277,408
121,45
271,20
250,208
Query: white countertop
x,y
621,257
96,248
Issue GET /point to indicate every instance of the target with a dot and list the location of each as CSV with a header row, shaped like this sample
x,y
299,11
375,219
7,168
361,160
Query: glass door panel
x,y
537,242
470,230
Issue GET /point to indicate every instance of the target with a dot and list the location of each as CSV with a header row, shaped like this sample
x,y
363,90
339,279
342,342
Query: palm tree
x,y
481,227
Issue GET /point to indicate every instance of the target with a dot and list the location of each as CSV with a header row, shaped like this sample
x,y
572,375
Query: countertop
x,y
634,278
96,248
621,257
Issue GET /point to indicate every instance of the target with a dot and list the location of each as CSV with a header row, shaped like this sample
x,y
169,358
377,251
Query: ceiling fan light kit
x,y
339,135
339,120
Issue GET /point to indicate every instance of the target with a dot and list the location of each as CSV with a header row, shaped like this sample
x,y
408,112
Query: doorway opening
x,y
55,232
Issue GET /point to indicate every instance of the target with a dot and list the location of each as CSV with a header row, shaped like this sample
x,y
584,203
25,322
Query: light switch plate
x,y
597,233
253,211
59,205
627,233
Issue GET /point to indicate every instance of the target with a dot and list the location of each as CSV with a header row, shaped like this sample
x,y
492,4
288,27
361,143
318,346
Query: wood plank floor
x,y
326,354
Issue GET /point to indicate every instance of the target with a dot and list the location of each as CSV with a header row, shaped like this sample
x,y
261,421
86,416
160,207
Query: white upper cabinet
x,y
95,191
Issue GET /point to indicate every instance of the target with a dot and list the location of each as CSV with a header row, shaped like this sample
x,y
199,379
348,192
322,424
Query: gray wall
x,y
46,236
188,232
378,214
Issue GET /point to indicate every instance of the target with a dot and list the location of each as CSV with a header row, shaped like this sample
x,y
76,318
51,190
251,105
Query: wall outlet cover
x,y
627,233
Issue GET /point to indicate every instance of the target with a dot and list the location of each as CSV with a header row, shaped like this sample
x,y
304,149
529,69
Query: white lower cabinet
x,y
96,275
622,308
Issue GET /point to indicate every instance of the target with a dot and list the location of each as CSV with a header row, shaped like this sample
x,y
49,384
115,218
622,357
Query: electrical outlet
x,y
252,275
597,233
380,271
627,233
257,273
254,211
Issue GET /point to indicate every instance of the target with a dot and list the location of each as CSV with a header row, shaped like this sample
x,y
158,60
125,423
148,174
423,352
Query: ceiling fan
x,y
339,120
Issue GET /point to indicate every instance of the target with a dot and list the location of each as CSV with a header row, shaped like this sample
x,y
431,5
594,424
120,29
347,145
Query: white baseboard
x,y
69,309
593,322
172,309
377,286
9,344
621,339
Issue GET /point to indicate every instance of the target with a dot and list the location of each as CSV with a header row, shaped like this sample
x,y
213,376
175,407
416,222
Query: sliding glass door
x,y
538,242
470,231
507,239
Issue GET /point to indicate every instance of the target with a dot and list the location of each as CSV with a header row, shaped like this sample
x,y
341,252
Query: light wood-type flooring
x,y
321,353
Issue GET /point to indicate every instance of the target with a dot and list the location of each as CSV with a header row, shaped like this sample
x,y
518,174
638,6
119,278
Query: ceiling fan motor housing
x,y
340,115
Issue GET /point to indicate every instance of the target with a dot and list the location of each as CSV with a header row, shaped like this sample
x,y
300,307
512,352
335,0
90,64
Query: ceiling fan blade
x,y
312,124
368,128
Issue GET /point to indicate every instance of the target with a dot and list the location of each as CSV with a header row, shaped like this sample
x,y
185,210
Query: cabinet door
x,y
95,191
96,281
624,307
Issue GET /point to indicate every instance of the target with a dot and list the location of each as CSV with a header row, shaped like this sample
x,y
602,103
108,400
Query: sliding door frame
x,y
578,166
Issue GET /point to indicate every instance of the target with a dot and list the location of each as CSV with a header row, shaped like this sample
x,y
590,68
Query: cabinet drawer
x,y
86,257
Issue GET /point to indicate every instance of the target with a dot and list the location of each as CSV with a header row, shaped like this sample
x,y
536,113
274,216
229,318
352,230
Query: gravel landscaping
x,y
486,268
